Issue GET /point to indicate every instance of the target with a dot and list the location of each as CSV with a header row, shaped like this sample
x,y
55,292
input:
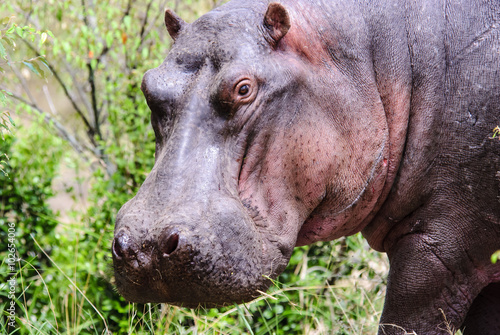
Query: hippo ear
x,y
174,23
276,22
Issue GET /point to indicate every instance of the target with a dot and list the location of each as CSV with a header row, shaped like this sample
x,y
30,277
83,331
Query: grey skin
x,y
280,125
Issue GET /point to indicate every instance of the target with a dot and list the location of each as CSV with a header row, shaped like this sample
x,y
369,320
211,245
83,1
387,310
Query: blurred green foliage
x,y
25,189
92,103
27,186
8,31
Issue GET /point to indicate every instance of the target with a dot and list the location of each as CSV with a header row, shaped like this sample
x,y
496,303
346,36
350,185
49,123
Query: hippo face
x,y
257,151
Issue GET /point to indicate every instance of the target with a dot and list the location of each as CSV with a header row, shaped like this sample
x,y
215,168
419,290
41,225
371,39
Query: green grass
x,y
328,288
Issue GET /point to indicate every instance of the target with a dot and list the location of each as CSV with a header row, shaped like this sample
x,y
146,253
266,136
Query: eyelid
x,y
250,95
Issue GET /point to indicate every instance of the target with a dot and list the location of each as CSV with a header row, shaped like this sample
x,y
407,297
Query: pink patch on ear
x,y
303,39
276,21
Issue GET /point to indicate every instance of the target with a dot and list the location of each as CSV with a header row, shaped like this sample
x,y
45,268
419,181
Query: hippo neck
x,y
427,57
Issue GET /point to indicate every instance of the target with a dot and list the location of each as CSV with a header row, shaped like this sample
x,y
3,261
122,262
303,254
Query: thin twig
x,y
63,133
145,21
93,96
90,70
52,107
127,11
90,130
79,89
21,78
153,24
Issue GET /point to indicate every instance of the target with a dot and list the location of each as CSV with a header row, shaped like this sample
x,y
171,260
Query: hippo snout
x,y
155,268
183,263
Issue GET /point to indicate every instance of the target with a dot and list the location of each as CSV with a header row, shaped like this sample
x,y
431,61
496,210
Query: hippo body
x,y
282,124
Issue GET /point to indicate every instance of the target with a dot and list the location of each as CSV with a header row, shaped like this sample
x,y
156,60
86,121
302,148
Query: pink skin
x,y
304,173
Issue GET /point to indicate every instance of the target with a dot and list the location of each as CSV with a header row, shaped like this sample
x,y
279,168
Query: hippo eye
x,y
244,90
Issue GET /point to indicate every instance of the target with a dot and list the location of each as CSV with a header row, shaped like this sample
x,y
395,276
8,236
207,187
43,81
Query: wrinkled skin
x,y
283,125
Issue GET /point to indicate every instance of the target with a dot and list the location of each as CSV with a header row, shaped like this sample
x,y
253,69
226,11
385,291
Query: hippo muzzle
x,y
188,256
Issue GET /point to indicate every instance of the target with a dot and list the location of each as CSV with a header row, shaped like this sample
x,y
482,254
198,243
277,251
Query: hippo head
x,y
254,149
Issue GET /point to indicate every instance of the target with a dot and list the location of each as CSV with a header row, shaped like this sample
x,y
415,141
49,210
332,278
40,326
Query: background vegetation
x,y
71,74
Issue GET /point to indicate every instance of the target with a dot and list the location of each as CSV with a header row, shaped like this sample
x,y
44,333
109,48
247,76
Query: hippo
x,y
280,124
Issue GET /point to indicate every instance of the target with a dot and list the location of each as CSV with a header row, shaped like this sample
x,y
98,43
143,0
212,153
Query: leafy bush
x,y
7,31
26,187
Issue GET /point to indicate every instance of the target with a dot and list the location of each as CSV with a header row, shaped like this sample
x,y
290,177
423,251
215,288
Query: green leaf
x,y
109,38
496,132
3,171
495,257
5,20
3,99
20,31
10,120
59,14
127,20
145,53
43,38
3,52
245,321
32,67
9,41
42,60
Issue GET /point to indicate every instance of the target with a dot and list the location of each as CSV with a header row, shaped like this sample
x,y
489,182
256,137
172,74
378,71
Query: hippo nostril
x,y
117,249
170,244
121,246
